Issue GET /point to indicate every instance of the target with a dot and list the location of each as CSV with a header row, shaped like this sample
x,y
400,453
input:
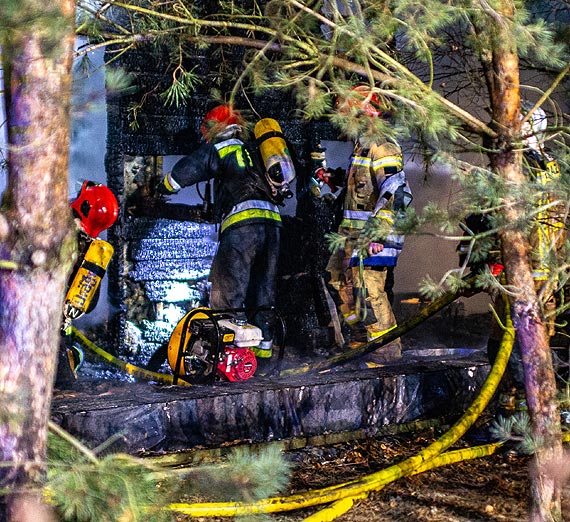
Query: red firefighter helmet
x,y
363,99
218,119
96,207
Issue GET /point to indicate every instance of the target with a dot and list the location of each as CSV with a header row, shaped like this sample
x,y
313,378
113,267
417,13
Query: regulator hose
x,y
129,369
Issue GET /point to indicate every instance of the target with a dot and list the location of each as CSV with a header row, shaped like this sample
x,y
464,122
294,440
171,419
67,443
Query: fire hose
x,y
129,369
425,313
336,360
360,488
341,497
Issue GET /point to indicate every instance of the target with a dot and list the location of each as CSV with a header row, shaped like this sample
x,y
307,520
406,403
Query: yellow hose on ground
x,y
425,313
376,480
451,457
130,369
353,489
163,378
335,510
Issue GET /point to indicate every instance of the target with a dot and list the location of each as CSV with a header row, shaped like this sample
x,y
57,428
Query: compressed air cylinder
x,y
88,278
274,153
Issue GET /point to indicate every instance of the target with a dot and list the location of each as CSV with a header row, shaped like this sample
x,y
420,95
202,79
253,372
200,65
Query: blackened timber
x,y
169,418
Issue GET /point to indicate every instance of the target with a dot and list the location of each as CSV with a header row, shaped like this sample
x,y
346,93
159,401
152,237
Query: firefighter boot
x,y
386,354
263,354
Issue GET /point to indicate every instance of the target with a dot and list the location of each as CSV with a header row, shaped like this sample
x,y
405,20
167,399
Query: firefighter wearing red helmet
x,y
376,193
361,100
243,273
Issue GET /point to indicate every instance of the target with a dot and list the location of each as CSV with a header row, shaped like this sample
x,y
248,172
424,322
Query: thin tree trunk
x,y
540,384
36,247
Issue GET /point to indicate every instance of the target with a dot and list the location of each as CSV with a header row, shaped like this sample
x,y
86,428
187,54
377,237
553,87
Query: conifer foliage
x,y
449,77
85,486
417,56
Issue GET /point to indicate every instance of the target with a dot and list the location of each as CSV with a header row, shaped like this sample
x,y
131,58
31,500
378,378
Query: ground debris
x,y
489,489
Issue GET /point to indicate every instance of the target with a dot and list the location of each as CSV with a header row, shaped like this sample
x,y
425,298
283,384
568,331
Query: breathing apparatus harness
x,y
268,169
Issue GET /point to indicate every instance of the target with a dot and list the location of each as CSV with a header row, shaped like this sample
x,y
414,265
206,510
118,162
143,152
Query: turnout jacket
x,y
377,189
548,234
240,192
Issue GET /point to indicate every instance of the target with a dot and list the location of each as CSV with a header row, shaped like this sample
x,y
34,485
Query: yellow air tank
x,y
87,279
275,155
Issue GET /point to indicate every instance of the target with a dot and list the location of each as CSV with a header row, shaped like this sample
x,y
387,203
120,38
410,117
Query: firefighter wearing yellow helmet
x,y
243,273
376,192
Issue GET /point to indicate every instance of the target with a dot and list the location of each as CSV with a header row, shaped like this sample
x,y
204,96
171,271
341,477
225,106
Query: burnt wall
x,y
163,255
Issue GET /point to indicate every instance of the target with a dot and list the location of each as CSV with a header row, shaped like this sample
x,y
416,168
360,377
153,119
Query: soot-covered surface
x,y
150,417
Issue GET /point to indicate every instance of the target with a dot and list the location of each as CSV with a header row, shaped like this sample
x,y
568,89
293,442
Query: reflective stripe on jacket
x,y
253,210
395,196
241,193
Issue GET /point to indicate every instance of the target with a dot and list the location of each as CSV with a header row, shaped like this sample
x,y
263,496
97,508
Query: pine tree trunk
x,y
36,246
540,384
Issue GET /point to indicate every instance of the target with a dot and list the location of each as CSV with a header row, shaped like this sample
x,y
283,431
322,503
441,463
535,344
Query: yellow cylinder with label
x,y
275,154
88,278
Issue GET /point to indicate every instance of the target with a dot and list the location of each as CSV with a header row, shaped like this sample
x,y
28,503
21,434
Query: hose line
x,y
341,496
354,353
129,369
336,360
357,488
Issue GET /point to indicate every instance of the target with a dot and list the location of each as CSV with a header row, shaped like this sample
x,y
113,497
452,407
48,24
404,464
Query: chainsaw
x,y
207,346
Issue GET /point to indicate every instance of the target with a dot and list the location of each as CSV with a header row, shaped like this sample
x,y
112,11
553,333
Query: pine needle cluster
x,y
118,487
516,430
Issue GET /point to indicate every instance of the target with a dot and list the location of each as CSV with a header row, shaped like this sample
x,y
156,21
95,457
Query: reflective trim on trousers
x,y
374,335
351,318
262,351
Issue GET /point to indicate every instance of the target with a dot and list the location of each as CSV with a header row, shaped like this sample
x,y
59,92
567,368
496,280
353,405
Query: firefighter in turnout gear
x,y
547,236
243,273
376,193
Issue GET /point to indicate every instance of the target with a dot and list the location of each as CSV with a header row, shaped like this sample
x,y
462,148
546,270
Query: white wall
x,y
88,126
